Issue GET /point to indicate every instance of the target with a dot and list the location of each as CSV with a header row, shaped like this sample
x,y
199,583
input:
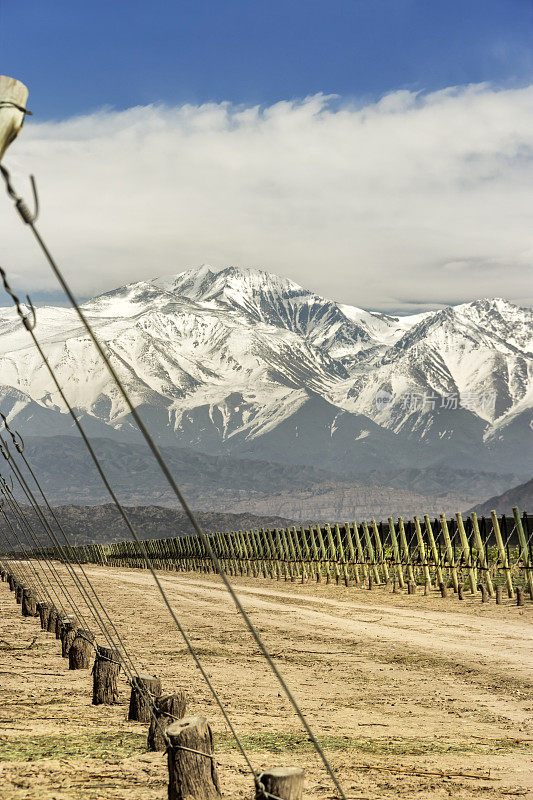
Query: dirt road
x,y
386,681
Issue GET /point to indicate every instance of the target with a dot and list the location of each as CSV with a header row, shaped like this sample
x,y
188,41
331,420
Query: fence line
x,y
475,551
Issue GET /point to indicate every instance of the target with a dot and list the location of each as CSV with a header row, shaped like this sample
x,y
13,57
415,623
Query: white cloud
x,y
415,199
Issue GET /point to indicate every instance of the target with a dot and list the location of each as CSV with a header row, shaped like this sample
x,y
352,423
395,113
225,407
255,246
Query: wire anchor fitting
x,y
28,320
20,204
16,437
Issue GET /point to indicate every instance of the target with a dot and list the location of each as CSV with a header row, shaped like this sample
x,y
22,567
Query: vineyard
x,y
445,553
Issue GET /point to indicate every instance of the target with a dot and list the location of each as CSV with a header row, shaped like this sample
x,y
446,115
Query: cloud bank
x,y
415,200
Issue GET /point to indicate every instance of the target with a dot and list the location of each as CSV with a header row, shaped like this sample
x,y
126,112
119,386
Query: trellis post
x,y
503,554
396,551
449,551
351,551
360,553
422,550
371,555
379,551
405,548
482,555
524,551
466,551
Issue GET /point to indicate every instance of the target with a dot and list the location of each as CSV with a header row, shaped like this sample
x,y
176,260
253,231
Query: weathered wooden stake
x,y
14,94
460,593
498,595
524,550
143,688
18,593
44,613
287,783
192,772
169,708
80,654
503,554
482,555
68,634
466,550
52,618
105,676
519,596
29,604
443,590
483,591
61,624
411,587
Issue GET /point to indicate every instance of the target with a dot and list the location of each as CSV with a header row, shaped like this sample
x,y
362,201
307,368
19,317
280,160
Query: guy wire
x,y
29,219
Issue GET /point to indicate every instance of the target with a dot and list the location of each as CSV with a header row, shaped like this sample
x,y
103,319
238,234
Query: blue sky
x,y
402,194
78,55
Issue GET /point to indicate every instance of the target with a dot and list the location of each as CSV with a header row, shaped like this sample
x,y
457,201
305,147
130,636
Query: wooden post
x,y
306,554
61,622
168,708
503,554
105,676
341,555
68,634
323,552
519,596
483,590
498,595
360,552
422,551
396,552
192,772
315,553
52,619
332,551
18,593
144,689
449,551
12,92
482,555
379,551
370,550
405,548
524,551
351,551
443,590
80,654
44,613
284,782
466,551
29,604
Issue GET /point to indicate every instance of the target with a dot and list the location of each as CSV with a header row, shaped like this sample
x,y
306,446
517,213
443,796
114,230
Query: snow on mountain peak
x,y
219,356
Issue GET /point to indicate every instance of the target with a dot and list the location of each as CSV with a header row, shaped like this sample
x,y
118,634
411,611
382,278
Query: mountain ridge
x,y
246,363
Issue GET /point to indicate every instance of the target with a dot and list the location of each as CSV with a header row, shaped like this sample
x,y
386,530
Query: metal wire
x,y
29,220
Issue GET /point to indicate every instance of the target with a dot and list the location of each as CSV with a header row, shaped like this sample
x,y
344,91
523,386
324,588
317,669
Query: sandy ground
x,y
386,681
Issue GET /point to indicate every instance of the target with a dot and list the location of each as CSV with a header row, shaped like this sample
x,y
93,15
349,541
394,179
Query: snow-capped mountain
x,y
251,364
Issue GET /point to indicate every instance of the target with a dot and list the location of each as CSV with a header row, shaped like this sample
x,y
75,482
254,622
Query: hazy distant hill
x,y
225,484
521,496
86,524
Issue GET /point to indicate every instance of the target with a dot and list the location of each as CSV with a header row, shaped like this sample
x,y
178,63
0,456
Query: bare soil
x,y
389,683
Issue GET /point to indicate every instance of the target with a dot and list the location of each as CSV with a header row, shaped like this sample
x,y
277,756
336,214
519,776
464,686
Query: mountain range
x,y
249,365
